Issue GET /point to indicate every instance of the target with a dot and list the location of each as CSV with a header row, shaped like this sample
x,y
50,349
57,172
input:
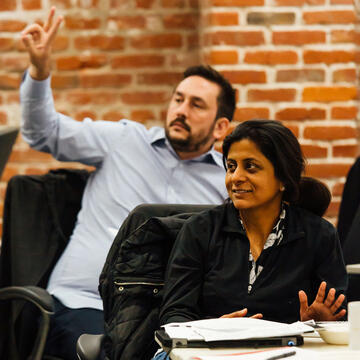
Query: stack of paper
x,y
233,329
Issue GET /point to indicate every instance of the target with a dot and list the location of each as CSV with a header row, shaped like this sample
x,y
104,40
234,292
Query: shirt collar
x,y
158,138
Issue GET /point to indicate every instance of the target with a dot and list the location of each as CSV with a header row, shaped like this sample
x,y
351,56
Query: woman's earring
x,y
282,188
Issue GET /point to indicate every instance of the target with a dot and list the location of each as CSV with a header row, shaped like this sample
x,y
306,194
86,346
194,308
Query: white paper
x,y
233,329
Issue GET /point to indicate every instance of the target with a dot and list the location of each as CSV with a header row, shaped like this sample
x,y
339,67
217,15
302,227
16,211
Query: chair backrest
x,y
39,215
132,279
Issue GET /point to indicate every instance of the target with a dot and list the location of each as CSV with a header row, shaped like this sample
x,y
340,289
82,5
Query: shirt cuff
x,y
35,89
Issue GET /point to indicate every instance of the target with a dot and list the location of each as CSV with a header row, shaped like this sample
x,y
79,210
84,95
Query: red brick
x,y
12,25
338,189
128,22
137,61
104,80
29,156
237,38
7,5
299,2
142,115
271,95
88,4
328,93
181,21
8,82
77,23
344,112
64,81
245,76
135,98
144,4
345,150
80,62
271,57
60,43
329,17
345,75
226,57
328,57
163,78
300,75
81,115
314,151
173,3
248,113
342,36
113,115
97,98
62,4
12,98
329,132
344,2
270,18
158,41
298,37
192,41
237,2
101,42
223,19
68,63
14,63
333,209
10,170
293,128
31,4
3,118
327,170
6,44
300,114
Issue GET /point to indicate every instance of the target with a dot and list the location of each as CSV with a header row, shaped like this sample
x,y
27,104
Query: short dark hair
x,y
226,99
280,146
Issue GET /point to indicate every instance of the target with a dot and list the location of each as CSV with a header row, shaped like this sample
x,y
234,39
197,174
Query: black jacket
x,y
208,269
131,283
39,215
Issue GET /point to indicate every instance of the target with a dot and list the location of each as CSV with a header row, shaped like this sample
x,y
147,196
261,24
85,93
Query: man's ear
x,y
221,128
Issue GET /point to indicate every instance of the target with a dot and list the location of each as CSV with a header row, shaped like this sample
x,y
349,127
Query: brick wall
x,y
291,60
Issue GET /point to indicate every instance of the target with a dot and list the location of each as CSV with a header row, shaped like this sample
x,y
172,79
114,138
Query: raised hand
x,y
37,40
241,313
322,309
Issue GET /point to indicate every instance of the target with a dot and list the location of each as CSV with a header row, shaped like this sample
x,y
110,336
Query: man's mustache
x,y
182,122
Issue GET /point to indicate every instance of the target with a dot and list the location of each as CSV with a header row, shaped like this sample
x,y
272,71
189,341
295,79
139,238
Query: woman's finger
x,y
257,316
337,303
320,296
329,301
239,313
340,314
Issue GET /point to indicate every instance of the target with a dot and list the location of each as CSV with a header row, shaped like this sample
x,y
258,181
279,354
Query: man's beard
x,y
190,143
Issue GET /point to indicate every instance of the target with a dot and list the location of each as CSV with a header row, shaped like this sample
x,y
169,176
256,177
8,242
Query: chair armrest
x,y
88,346
43,301
38,296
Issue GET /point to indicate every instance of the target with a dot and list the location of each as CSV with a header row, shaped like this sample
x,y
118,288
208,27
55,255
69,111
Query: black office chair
x,y
39,216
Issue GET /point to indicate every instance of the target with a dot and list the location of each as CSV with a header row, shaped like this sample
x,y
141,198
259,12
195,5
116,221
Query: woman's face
x,y
250,178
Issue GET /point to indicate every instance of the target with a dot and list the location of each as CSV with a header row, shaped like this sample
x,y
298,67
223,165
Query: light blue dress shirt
x,y
134,165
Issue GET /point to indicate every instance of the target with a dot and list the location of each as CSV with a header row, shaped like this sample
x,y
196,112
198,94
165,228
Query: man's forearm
x,y
39,117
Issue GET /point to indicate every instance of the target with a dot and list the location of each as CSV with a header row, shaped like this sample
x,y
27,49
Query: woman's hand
x,y
241,313
321,309
37,40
